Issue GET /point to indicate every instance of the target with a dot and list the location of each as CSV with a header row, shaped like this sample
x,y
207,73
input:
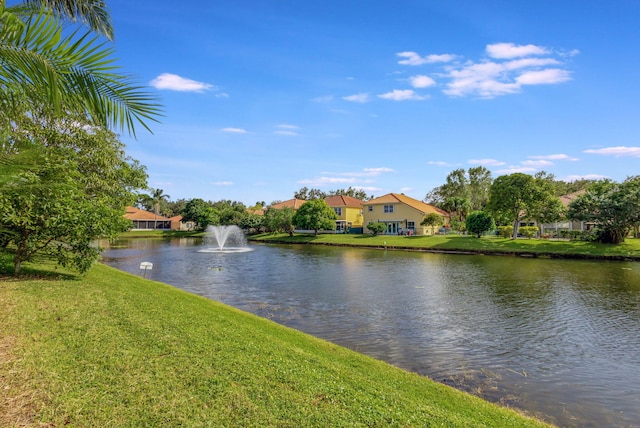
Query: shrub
x,y
376,228
479,222
528,231
505,231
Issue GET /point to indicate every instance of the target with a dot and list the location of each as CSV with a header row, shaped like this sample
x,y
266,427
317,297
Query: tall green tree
x,y
547,207
511,197
457,207
613,207
472,185
67,194
66,179
280,220
350,191
315,215
479,186
307,194
201,213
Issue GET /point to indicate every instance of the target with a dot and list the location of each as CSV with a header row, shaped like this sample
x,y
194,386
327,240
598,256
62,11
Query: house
x,y
401,214
349,212
145,220
291,203
552,229
178,224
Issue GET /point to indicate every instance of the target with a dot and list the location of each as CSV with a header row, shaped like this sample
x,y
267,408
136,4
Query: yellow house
x,y
401,214
349,212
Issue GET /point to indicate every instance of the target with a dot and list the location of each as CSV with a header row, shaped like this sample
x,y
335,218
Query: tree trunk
x,y
17,265
515,228
612,236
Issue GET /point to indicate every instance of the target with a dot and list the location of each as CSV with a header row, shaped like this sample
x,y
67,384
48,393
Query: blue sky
x,y
264,97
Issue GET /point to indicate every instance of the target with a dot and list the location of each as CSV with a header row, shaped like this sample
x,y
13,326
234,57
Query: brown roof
x,y
291,203
133,213
256,212
343,201
391,198
567,199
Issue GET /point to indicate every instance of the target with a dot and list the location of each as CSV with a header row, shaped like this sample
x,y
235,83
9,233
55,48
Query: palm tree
x,y
157,195
56,73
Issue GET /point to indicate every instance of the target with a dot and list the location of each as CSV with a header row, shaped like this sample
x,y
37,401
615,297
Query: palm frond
x,y
72,72
93,13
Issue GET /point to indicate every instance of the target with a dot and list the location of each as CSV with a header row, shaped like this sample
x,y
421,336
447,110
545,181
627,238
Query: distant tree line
x,y
476,202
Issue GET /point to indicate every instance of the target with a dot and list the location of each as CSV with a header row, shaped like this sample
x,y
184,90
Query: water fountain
x,y
224,239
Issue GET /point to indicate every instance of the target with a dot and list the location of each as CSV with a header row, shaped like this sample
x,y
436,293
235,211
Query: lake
x,y
559,339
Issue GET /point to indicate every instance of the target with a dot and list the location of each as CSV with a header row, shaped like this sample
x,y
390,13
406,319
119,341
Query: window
x,y
411,225
388,208
338,211
370,208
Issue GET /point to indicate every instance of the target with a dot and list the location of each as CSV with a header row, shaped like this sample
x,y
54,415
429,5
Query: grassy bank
x,y
112,349
630,249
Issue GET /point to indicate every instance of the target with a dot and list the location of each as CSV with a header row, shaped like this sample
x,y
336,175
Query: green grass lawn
x,y
111,349
487,244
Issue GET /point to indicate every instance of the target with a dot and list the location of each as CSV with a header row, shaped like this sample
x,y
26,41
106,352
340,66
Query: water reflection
x,y
557,338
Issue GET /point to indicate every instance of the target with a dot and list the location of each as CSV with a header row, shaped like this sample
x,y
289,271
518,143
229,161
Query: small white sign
x,y
146,265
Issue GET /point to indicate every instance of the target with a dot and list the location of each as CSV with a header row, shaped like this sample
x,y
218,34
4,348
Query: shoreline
x,y
458,251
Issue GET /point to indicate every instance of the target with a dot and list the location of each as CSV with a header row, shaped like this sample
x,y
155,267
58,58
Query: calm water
x,y
557,338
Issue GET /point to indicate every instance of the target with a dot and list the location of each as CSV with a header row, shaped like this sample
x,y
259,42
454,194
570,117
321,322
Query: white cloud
x,y
537,163
376,171
412,58
421,81
489,78
287,133
558,156
406,189
222,183
357,98
486,162
401,95
173,82
543,77
285,126
235,130
510,50
618,151
517,64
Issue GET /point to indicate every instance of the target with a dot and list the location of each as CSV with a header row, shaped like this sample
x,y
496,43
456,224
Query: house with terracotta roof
x,y
349,212
400,213
291,203
145,220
